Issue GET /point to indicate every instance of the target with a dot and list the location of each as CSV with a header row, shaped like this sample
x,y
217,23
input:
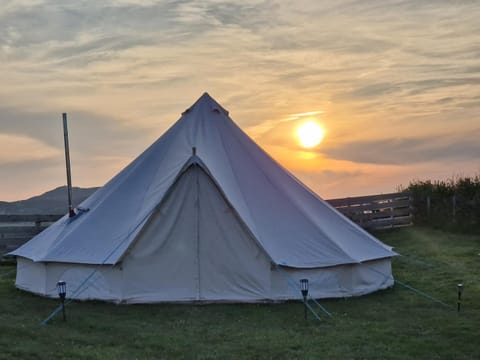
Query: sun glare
x,y
310,134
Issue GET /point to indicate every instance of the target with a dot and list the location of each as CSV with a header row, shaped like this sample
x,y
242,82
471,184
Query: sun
x,y
310,134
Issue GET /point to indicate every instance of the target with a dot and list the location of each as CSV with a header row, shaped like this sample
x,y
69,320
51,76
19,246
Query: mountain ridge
x,y
51,202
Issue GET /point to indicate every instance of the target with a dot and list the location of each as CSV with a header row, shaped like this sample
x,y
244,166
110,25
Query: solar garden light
x,y
459,292
304,289
62,293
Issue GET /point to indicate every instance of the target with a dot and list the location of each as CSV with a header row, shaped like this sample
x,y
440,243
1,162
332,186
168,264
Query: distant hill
x,y
51,202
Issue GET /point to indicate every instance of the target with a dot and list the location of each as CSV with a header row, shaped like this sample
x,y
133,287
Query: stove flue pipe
x,y
71,212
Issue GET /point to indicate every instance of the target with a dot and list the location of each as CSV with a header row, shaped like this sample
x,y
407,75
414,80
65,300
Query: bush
x,y
452,204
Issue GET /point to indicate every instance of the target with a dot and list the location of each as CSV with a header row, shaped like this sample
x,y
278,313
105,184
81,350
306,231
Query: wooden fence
x,y
377,211
15,230
371,212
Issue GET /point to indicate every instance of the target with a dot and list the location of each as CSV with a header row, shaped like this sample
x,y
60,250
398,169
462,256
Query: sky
x,y
394,84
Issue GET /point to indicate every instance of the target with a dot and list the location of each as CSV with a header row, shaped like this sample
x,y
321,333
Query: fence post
x,y
454,210
410,207
428,206
38,223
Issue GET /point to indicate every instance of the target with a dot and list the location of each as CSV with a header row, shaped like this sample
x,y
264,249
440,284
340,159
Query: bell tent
x,y
204,214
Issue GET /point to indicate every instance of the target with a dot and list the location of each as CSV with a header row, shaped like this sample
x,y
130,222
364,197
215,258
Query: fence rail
x,y
15,230
377,212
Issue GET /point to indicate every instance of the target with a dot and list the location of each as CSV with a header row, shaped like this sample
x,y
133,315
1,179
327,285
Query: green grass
x,y
391,324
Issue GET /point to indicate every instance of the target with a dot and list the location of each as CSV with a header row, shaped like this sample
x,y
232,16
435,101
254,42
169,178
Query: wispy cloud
x,y
89,132
433,148
21,149
380,74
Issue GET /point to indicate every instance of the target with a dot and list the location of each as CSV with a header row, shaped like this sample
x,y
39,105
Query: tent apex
x,y
205,97
206,101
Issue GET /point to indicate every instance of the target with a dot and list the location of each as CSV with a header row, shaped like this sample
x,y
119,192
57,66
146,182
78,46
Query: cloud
x,y
383,75
94,49
21,149
88,132
434,148
374,90
99,148
347,51
408,90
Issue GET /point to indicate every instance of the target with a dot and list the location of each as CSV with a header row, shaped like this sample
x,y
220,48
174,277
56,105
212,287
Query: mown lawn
x,y
391,324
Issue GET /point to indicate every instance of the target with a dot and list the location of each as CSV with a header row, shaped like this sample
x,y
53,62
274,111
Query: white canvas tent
x,y
204,214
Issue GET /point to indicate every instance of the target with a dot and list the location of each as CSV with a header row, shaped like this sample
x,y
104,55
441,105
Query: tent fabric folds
x,y
205,214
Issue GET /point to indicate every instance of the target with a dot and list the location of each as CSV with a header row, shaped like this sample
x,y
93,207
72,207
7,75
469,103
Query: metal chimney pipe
x,y
71,213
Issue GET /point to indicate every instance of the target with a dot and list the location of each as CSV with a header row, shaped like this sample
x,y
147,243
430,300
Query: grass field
x,y
391,324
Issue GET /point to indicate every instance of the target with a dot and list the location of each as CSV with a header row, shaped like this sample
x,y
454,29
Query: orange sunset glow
x,y
347,96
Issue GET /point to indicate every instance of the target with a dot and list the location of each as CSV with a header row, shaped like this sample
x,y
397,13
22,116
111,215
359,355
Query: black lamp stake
x,y
62,292
304,289
459,293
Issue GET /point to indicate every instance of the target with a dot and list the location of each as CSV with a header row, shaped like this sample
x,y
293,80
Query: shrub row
x,y
451,204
